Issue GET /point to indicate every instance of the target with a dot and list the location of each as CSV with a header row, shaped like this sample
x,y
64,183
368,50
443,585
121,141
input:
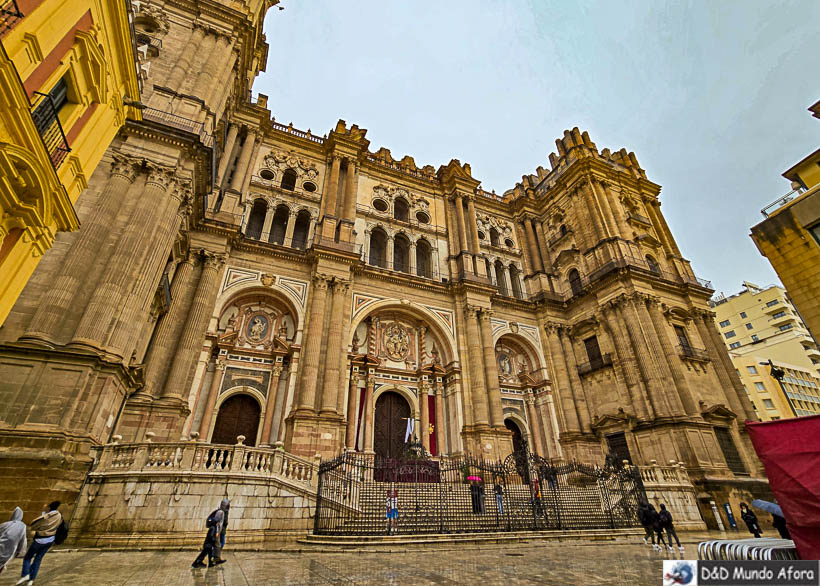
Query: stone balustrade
x,y
671,486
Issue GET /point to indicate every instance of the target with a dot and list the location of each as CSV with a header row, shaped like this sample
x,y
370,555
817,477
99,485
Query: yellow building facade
x,y
67,71
790,236
796,394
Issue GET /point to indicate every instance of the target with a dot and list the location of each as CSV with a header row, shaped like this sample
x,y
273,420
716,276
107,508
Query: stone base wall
x,y
169,511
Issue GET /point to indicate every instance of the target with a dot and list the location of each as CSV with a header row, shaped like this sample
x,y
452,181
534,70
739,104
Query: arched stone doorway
x,y
390,425
238,415
519,441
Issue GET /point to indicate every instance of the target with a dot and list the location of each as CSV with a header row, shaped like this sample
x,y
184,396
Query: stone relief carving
x,y
280,161
396,341
512,363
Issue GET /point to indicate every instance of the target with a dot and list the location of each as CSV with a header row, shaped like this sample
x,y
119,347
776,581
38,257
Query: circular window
x,y
308,186
380,205
509,243
266,174
481,235
422,217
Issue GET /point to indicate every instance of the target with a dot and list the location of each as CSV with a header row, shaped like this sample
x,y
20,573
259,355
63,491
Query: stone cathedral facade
x,y
234,276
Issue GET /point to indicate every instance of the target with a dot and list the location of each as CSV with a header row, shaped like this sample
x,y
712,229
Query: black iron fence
x,y
10,15
468,495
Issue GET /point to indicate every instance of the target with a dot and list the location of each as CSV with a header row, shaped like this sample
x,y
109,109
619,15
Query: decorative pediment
x,y
583,327
92,61
677,313
648,240
620,420
717,412
566,256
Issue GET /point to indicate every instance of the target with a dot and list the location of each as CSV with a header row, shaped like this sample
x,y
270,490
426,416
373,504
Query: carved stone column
x,y
243,161
270,406
223,72
225,159
412,258
478,389
313,337
186,56
626,360
95,230
535,424
605,219
352,412
441,446
679,379
334,347
472,221
289,229
209,56
331,188
657,217
424,410
164,341
592,213
269,213
491,370
112,291
462,227
566,405
213,394
350,191
576,387
642,358
532,243
617,211
196,324
543,249
671,399
606,209
368,413
344,346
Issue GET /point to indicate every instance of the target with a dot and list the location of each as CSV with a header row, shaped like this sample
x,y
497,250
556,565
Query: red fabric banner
x,y
790,452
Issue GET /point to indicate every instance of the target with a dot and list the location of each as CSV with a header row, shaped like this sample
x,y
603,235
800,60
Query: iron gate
x,y
458,495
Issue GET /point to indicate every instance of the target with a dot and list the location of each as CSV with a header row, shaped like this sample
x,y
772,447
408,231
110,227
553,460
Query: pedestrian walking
x,y
210,547
643,517
392,510
474,495
655,522
778,523
499,497
539,509
482,498
668,525
750,519
45,529
12,538
225,506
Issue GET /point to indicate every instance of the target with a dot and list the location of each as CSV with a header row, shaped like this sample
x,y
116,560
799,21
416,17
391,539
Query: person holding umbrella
x,y
778,519
750,519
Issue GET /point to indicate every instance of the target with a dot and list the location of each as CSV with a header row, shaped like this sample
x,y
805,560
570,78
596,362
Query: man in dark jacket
x,y
779,523
666,523
643,517
750,519
211,546
655,524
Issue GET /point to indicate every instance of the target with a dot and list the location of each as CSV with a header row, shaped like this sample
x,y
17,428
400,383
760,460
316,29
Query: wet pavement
x,y
573,562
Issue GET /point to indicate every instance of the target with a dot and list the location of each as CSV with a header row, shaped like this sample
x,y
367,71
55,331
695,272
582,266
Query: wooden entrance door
x,y
390,425
239,415
517,437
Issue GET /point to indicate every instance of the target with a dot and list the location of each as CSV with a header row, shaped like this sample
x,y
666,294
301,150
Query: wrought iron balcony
x,y
45,118
603,361
692,353
10,15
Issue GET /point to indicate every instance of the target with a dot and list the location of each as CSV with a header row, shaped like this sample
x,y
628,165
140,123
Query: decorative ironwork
x,y
693,353
48,125
10,15
459,495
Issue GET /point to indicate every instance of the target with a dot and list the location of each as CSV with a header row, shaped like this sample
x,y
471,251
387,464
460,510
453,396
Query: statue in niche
x,y
504,365
354,345
434,357
523,367
257,328
396,342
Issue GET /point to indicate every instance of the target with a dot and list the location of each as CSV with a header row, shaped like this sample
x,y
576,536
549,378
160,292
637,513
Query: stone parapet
x,y
671,486
159,494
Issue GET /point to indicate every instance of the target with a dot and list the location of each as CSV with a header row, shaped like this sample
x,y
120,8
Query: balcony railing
x,y
638,218
47,122
698,354
10,15
603,361
180,123
289,129
153,42
431,273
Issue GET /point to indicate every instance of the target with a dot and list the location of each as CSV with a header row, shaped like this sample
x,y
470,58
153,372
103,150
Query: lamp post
x,y
778,374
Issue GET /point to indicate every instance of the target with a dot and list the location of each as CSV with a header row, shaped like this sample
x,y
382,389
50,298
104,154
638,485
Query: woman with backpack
x,y
46,528
666,523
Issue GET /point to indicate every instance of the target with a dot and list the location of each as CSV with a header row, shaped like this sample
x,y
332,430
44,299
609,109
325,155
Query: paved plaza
x,y
571,562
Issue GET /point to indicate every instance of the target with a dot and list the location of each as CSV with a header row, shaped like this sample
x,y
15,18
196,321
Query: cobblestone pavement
x,y
530,563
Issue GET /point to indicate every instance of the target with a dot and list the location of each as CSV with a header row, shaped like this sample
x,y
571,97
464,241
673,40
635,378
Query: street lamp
x,y
778,374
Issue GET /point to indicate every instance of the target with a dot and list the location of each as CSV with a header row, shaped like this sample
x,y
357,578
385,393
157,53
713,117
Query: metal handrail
x,y
693,353
10,15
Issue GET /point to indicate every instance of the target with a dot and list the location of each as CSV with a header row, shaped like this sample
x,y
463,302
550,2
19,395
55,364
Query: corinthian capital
x,y
124,166
213,260
160,176
321,281
486,314
471,311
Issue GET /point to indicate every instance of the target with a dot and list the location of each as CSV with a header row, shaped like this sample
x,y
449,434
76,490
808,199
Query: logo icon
x,y
682,572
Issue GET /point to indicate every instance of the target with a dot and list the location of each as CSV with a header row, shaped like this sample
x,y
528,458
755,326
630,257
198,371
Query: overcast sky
x,y
711,95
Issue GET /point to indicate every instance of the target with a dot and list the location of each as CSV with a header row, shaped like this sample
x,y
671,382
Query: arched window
x,y
500,278
563,229
653,264
515,284
401,254
279,225
300,230
575,284
256,220
493,236
401,209
378,248
424,260
288,180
